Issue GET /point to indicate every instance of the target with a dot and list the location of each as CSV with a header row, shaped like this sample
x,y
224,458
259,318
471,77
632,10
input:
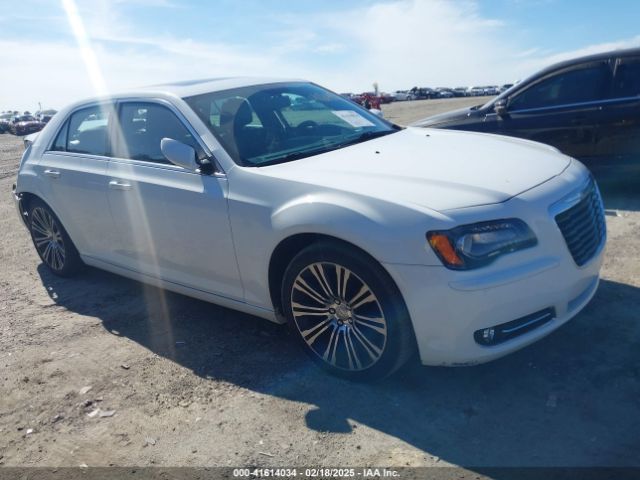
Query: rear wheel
x,y
347,312
51,240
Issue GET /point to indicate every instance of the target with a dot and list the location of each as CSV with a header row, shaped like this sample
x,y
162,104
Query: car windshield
x,y
266,124
25,118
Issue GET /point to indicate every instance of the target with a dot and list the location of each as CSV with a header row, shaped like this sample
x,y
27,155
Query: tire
x,y
341,331
55,248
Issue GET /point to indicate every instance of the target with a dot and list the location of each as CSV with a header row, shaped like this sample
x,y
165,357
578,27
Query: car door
x,y
563,109
173,224
619,139
73,171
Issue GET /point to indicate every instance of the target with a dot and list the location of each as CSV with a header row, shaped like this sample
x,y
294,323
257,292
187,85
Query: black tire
x,y
55,248
341,327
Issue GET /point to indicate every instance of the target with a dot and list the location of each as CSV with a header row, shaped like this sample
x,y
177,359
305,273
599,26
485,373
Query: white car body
x,y
475,91
402,96
382,196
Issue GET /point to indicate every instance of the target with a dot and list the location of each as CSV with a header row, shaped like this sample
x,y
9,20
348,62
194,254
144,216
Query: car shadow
x,y
570,399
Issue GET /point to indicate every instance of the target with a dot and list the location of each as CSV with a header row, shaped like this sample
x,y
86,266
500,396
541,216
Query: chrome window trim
x,y
114,103
585,104
561,71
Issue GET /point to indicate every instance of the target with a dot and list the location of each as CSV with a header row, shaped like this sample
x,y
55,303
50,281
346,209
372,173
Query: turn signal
x,y
441,244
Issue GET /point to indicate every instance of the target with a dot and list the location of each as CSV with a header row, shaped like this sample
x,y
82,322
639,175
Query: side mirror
x,y
179,154
500,107
377,112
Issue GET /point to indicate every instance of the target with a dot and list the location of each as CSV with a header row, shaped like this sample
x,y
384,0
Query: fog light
x,y
488,334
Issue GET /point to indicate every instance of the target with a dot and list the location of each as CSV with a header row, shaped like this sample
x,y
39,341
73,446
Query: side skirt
x,y
185,290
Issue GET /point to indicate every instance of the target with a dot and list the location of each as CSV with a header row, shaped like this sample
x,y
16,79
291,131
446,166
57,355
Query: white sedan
x,y
286,201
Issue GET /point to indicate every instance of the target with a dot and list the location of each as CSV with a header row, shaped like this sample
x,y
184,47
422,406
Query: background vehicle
x,y
586,107
45,115
5,122
475,91
423,93
505,87
402,95
444,92
24,125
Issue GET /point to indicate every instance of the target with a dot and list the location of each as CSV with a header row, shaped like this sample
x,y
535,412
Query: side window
x,y
142,126
87,131
627,79
60,144
582,84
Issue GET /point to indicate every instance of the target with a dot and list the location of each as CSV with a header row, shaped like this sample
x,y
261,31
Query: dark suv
x,y
588,108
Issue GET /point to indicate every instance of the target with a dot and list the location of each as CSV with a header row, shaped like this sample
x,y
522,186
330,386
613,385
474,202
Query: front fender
x,y
347,218
388,232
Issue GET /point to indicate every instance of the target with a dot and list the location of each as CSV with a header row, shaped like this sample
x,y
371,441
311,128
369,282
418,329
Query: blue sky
x,y
345,45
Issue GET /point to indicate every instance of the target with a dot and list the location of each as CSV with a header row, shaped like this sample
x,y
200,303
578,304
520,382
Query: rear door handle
x,y
117,185
52,173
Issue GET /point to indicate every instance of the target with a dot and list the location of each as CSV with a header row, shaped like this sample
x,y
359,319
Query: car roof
x,y
187,88
184,88
591,58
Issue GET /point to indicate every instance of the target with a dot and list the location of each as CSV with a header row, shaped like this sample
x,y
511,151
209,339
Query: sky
x,y
53,52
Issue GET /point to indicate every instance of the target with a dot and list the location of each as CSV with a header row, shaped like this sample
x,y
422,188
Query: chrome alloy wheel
x,y
48,238
338,316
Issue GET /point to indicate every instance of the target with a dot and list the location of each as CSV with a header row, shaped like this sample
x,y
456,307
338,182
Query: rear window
x,y
85,132
626,82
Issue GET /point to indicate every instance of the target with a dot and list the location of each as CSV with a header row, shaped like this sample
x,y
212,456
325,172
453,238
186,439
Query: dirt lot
x,y
185,383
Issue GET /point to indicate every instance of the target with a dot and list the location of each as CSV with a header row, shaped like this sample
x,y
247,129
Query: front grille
x,y
583,225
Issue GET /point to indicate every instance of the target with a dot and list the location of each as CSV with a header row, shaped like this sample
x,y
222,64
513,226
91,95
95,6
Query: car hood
x,y
441,118
429,168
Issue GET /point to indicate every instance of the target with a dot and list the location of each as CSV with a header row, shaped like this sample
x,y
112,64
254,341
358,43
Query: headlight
x,y
476,245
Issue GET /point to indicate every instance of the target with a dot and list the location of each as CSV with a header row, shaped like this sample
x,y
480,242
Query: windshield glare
x,y
267,124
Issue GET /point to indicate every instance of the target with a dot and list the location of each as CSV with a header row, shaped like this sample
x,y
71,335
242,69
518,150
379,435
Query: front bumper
x,y
447,307
446,313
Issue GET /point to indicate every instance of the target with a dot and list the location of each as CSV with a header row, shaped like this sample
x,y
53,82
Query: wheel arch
x,y
26,199
289,247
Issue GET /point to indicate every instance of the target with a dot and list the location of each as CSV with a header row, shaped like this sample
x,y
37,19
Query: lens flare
x,y
137,229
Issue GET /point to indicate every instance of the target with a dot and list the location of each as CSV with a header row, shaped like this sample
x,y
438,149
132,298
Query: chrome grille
x,y
583,225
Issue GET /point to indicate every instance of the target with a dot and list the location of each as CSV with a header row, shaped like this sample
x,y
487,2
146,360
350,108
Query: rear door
x,y
74,179
563,109
173,224
619,140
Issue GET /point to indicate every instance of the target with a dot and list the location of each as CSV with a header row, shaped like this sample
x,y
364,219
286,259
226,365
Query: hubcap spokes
x,y
48,238
338,316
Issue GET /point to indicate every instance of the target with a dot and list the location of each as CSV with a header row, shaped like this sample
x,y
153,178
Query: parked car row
x,y
587,107
422,93
26,123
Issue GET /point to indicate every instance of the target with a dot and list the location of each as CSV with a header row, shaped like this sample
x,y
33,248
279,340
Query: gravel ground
x,y
100,370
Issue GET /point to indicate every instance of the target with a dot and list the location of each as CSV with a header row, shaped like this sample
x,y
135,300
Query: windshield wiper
x,y
363,137
298,155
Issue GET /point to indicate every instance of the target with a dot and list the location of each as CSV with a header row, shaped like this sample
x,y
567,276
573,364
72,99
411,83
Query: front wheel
x,y
51,240
347,312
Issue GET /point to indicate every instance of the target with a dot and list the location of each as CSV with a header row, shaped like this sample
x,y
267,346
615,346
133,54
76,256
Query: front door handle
x,y
52,173
117,185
